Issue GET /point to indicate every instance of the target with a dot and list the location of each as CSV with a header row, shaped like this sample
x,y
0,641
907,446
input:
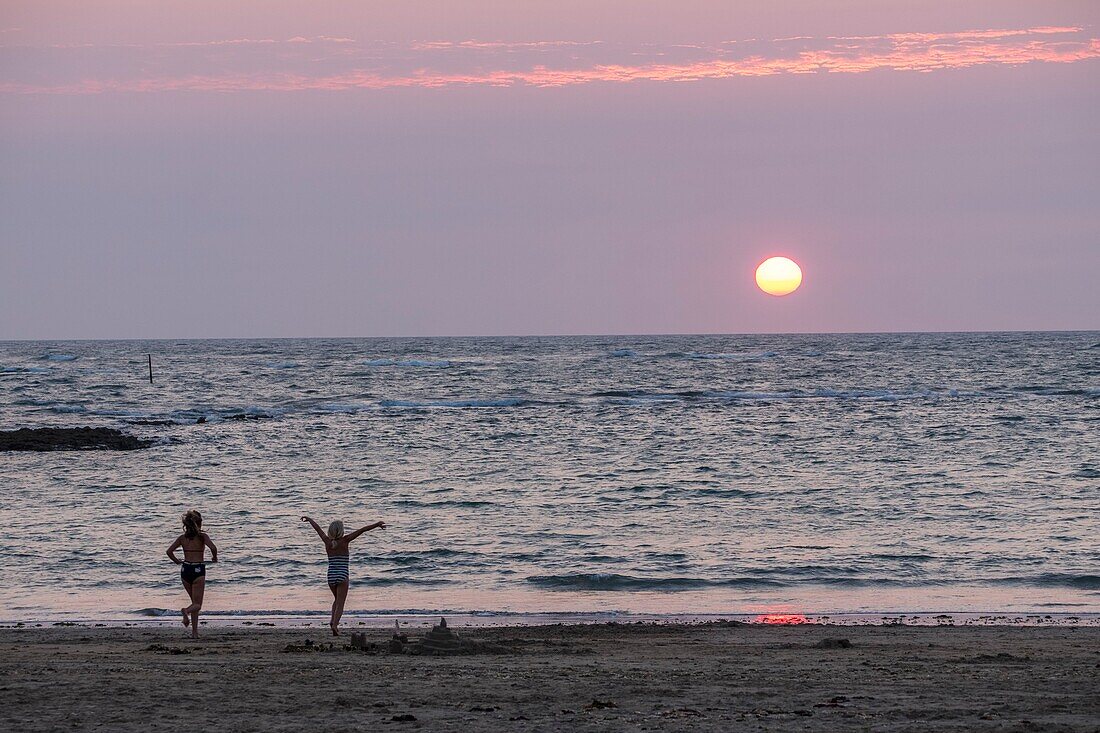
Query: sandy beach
x,y
712,677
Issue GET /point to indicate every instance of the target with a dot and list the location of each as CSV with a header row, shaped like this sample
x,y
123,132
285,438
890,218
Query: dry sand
x,y
584,678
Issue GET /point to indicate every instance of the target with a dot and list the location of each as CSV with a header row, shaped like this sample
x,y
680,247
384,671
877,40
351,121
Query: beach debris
x,y
161,649
50,439
483,709
681,713
404,718
597,704
834,702
308,646
398,640
831,643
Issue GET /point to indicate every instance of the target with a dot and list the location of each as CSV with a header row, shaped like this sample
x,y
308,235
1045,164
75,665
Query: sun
x,y
778,276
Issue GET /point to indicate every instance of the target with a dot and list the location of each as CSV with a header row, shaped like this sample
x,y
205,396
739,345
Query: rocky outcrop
x,y
47,439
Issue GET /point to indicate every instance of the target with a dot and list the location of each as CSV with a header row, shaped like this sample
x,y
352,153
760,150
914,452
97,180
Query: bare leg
x,y
197,589
186,618
332,613
339,595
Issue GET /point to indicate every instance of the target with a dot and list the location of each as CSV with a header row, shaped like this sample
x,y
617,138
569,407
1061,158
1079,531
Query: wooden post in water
x,y
150,368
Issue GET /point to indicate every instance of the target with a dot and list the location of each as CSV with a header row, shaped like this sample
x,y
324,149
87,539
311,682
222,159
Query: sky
x,y
197,168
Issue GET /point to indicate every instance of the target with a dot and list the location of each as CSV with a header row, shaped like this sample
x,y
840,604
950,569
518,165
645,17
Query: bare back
x,y
340,547
194,548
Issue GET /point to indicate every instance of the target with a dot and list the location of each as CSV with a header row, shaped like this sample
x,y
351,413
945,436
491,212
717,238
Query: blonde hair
x,y
336,530
192,523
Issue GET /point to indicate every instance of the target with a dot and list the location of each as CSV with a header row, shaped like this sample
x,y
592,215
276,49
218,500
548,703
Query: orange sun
x,y
778,276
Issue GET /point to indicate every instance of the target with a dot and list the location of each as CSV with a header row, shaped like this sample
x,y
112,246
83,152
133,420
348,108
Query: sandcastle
x,y
441,639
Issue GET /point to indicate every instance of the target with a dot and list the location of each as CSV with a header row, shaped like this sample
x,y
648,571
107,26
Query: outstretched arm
x,y
368,528
317,527
213,549
171,551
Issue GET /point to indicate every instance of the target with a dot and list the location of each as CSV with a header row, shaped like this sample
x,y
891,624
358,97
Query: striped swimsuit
x,y
338,569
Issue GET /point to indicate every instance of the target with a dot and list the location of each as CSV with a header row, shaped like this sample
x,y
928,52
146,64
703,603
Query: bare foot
x,y
186,618
335,630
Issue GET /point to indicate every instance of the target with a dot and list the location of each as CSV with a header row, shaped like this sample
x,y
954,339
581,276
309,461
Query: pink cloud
x,y
438,64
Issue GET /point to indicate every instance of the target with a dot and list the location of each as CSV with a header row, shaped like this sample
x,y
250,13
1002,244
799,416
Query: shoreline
x,y
369,619
588,677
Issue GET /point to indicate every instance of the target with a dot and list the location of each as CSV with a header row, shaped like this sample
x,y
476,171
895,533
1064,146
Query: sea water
x,y
659,475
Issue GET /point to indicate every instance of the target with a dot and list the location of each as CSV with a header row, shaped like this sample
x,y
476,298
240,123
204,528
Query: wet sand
x,y
608,677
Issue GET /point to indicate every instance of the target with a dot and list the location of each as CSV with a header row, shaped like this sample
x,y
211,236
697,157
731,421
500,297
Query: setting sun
x,y
778,276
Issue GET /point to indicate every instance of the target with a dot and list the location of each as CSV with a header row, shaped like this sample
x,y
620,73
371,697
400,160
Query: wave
x,y
346,408
444,503
1049,391
218,414
60,357
800,577
505,402
615,581
429,363
281,364
24,370
250,413
1054,580
738,395
623,353
292,613
65,409
729,357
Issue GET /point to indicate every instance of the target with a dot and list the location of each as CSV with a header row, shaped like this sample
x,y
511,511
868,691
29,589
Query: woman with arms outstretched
x,y
193,566
337,546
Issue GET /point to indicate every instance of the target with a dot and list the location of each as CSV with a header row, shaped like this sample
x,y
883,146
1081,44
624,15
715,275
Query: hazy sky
x,y
270,168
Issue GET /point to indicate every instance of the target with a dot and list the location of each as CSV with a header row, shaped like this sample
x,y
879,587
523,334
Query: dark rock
x,y
404,718
833,644
47,439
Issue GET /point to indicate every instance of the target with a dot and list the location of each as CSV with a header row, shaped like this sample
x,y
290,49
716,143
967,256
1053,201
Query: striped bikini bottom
x,y
338,569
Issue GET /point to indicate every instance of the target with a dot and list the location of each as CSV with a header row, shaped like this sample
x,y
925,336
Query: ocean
x,y
569,475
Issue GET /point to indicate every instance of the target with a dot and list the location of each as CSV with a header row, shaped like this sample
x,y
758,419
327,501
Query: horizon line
x,y
700,334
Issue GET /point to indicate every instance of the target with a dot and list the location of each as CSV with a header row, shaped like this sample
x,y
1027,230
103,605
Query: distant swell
x,y
617,582
614,581
507,402
436,363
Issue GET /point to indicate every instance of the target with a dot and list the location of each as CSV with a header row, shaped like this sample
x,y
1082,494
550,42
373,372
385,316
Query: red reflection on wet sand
x,y
781,619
